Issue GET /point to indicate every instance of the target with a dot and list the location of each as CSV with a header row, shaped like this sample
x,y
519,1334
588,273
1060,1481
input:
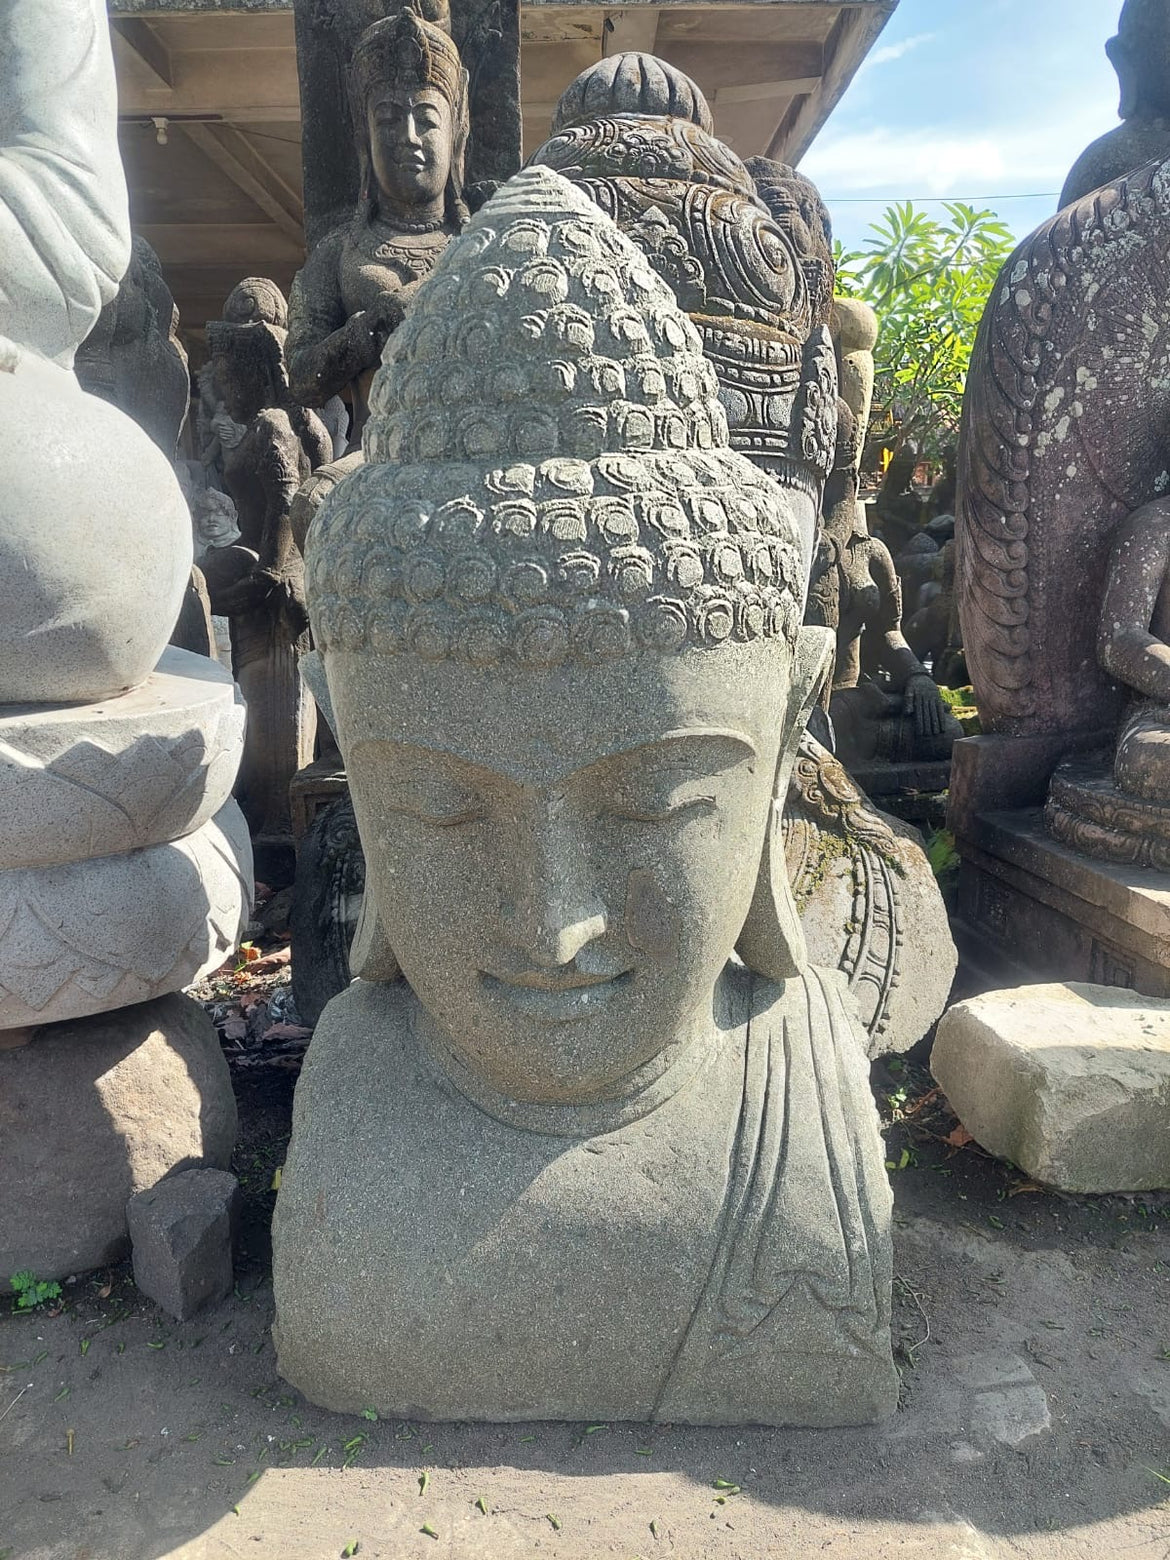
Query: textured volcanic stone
x,y
95,1110
182,1232
556,1152
83,780
869,902
99,934
1070,1082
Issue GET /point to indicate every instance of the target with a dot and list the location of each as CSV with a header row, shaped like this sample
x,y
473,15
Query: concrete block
x,y
1070,1082
182,1232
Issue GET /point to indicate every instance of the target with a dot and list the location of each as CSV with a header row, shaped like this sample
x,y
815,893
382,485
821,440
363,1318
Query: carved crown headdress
x,y
548,476
408,50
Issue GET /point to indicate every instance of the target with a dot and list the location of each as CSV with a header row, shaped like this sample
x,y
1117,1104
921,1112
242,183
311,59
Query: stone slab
x,y
1038,909
1070,1082
95,1110
182,1232
96,935
85,780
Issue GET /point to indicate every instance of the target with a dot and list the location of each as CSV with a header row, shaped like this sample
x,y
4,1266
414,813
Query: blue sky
x,y
965,98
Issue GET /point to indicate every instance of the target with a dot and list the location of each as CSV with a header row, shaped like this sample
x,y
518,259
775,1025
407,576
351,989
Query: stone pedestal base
x,y
92,936
1086,810
95,1110
1032,908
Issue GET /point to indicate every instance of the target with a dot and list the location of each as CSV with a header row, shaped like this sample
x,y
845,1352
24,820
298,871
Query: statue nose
x,y
555,910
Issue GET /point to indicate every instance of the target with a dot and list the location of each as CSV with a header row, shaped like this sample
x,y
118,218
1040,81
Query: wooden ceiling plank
x,y
854,35
147,48
248,171
634,30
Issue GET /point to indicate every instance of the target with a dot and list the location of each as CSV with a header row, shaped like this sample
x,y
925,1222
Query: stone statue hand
x,y
386,316
924,703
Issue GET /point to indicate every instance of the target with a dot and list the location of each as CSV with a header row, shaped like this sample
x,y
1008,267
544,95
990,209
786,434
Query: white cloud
x,y
928,161
889,52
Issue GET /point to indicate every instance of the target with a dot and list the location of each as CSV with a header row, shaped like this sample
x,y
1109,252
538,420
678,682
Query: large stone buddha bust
x,y
561,1152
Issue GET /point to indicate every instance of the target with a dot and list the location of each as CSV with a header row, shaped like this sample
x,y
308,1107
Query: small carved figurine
x,y
410,109
258,583
885,707
556,1154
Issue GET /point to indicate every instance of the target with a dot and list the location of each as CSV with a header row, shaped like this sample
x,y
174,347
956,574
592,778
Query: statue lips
x,y
558,996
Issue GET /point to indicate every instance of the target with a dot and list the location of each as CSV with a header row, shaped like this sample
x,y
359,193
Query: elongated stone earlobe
x,y
772,941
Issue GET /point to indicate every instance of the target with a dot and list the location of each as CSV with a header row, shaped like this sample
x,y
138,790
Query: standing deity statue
x,y
409,92
556,1153
1140,54
258,582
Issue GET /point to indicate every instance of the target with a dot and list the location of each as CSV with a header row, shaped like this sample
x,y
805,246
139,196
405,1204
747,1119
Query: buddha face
x,y
564,860
410,145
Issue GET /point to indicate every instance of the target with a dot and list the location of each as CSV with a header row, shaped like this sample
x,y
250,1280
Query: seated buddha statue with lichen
x,y
587,1138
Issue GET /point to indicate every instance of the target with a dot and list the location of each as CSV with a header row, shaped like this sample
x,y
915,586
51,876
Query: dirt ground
x,y
1033,1334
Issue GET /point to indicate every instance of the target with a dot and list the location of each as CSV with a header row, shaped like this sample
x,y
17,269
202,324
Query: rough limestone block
x,y
1070,1082
85,780
95,1110
182,1232
92,936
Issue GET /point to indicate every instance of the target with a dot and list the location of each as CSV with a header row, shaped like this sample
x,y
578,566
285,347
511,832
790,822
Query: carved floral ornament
x,y
548,474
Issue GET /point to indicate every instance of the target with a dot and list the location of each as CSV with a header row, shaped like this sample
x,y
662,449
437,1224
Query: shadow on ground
x,y
1033,1332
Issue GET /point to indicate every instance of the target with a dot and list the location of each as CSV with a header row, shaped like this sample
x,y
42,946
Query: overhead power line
x,y
931,200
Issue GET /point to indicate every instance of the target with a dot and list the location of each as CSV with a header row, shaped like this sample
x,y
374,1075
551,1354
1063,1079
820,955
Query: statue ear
x,y
1121,58
370,954
772,941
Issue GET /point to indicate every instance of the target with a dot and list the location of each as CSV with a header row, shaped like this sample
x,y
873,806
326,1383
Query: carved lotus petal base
x,y
81,781
1086,810
94,935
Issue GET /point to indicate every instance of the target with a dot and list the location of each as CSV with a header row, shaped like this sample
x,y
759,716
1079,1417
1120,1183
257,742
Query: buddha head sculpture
x,y
256,300
636,135
410,111
1140,54
560,623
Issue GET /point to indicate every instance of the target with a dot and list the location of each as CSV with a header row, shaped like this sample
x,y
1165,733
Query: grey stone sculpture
x,y
557,1154
409,91
886,710
1140,54
755,277
258,582
868,902
125,869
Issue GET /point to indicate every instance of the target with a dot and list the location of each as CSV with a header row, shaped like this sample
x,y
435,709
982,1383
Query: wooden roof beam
x,y
234,155
139,38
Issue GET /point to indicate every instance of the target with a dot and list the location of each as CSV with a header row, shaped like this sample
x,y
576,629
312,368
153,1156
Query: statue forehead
x,y
401,98
541,723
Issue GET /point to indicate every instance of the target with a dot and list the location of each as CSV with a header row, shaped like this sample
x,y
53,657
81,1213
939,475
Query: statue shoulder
x,y
366,1025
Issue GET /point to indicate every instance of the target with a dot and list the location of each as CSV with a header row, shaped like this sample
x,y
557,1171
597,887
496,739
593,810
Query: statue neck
x,y
427,217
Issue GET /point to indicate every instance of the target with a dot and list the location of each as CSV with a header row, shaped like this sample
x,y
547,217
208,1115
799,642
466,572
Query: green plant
x,y
941,853
31,1291
929,282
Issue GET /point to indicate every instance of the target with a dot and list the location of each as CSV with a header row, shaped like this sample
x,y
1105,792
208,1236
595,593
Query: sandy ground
x,y
1033,1334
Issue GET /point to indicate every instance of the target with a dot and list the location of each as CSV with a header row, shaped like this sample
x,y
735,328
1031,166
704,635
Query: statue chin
x,y
95,543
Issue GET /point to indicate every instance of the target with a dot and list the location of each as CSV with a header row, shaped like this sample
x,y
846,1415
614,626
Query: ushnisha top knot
x,y
548,474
